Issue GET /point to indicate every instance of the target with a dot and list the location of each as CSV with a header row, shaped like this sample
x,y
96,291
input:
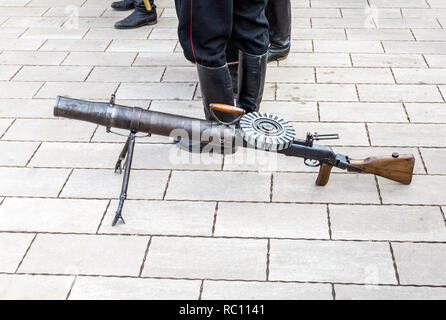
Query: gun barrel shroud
x,y
140,120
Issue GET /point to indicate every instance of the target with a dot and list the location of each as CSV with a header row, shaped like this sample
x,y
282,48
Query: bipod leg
x,y
126,177
122,156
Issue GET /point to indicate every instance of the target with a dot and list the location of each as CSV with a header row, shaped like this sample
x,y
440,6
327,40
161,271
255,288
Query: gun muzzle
x,y
141,120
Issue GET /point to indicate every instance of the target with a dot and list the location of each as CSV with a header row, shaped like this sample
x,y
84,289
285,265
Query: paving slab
x,y
398,93
316,60
49,130
111,288
292,111
317,92
331,261
20,44
237,290
402,223
421,263
51,215
426,112
32,58
85,254
300,187
4,125
52,73
388,60
272,220
362,111
354,75
369,292
7,72
207,258
405,135
75,45
424,190
16,153
157,91
142,45
19,90
54,33
99,59
126,74
105,184
162,218
26,108
80,90
13,247
228,186
39,182
378,34
348,46
37,287
434,159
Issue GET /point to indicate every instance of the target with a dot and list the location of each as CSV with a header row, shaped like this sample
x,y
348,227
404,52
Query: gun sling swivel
x,y
256,130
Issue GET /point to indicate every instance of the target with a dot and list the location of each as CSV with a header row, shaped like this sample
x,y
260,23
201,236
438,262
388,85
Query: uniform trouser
x,y
207,26
279,26
149,4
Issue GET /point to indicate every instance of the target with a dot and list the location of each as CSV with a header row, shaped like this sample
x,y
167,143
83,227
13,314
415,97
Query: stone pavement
x,y
211,226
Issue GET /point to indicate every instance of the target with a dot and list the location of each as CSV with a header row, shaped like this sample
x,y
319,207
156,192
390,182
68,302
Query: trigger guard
x,y
315,163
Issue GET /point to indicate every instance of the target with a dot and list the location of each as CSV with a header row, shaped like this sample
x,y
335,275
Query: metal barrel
x,y
141,120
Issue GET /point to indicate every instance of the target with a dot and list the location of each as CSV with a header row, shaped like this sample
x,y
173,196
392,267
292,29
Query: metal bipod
x,y
127,152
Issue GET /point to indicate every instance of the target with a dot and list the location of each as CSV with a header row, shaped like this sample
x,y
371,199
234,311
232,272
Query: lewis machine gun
x,y
256,130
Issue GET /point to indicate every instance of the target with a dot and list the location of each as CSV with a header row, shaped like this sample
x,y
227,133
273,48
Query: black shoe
x,y
276,53
140,17
278,13
251,80
123,5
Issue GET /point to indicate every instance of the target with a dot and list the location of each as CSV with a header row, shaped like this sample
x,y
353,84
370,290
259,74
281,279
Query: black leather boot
x,y
216,87
123,5
140,17
251,81
278,13
233,71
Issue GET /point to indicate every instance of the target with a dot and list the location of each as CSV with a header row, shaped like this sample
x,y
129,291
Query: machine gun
x,y
253,130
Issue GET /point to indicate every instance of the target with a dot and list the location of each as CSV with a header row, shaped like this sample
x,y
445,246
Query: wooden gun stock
x,y
396,167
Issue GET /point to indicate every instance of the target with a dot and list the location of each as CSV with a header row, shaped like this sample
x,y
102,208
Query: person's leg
x,y
232,60
250,34
204,29
144,14
123,5
278,13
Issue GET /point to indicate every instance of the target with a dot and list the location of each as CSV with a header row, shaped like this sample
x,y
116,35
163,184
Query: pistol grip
x,y
324,174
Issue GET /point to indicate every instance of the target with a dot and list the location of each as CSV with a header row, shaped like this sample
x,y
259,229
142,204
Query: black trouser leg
x,y
278,13
206,27
144,14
